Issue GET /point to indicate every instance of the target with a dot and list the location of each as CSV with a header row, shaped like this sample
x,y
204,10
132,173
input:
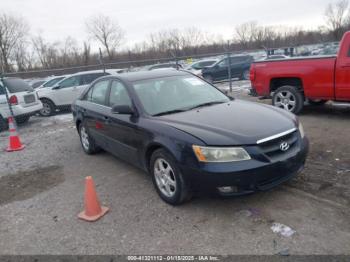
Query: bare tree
x,y
106,31
13,31
337,15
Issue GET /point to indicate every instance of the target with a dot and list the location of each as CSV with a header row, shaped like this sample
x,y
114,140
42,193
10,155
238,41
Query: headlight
x,y
301,130
220,154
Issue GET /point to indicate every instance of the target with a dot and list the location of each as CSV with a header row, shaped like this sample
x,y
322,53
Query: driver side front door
x,y
68,91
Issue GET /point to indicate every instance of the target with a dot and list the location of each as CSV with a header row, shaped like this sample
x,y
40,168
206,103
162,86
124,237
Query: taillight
x,y
252,73
13,100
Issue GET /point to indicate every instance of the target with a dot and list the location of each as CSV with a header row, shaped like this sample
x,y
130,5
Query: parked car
x,y
36,83
240,66
196,67
316,79
52,81
23,99
188,134
63,93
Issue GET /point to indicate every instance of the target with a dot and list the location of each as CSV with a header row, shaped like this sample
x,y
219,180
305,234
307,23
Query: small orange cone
x,y
14,141
93,210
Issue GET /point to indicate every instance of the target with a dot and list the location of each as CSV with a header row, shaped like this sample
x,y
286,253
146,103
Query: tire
x,y
288,98
22,119
170,185
245,75
88,144
209,78
319,102
3,124
49,108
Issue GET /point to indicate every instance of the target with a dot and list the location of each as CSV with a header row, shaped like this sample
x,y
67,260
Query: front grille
x,y
29,99
272,149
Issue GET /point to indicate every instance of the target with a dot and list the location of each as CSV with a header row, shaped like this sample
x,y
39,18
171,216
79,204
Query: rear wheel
x,y
167,178
3,124
22,119
48,109
87,142
288,98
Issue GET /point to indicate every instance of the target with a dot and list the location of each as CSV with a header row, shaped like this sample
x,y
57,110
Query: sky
x,y
57,19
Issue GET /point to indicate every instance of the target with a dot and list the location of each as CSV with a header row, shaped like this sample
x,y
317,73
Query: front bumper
x,y
248,176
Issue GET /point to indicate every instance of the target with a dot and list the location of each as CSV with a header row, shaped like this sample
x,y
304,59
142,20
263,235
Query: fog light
x,y
227,189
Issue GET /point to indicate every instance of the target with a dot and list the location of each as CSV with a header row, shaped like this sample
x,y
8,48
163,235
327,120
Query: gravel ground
x,y
41,193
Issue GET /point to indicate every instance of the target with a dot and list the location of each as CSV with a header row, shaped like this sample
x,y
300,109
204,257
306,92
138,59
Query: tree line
x,y
20,51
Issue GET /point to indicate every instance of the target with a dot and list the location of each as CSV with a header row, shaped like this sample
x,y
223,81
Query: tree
x,y
337,16
107,32
13,31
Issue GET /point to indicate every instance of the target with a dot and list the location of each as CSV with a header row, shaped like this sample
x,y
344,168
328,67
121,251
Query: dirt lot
x,y
41,193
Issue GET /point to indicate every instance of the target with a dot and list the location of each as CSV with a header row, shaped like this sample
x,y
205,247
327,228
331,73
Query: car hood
x,y
237,122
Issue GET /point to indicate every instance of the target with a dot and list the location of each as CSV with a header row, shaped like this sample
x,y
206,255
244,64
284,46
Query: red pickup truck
x,y
291,82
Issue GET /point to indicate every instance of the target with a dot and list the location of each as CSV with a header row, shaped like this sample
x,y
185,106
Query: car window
x,y
89,78
16,85
349,52
69,82
119,95
99,92
52,82
206,63
223,63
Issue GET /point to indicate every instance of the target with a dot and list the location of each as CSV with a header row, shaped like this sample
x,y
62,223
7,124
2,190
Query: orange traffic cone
x,y
93,210
14,141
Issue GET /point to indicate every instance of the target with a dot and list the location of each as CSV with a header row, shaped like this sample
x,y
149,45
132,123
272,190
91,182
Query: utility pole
x,y
229,64
3,86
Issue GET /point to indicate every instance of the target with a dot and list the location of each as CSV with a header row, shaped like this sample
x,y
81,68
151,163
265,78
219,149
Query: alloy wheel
x,y
285,100
84,138
165,177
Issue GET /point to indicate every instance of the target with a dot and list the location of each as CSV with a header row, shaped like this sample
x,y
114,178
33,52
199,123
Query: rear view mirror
x,y
56,87
123,110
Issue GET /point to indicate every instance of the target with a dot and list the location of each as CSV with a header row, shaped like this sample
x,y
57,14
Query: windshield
x,y
178,93
52,82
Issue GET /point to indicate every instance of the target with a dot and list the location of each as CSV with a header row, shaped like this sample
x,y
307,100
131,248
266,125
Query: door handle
x,y
107,119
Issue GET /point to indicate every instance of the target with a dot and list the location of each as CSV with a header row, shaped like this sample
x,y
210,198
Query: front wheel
x,y
288,98
87,142
167,178
3,124
245,75
22,119
209,78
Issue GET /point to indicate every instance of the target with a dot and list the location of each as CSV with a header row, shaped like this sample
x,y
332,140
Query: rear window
x,y
16,85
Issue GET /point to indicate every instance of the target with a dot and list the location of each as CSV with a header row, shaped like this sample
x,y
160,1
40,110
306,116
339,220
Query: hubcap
x,y
285,100
84,138
165,178
46,109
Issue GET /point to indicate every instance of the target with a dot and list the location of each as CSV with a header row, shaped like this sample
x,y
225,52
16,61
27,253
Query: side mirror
x,y
56,87
123,110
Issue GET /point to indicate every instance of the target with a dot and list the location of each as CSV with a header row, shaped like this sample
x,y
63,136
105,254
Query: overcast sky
x,y
56,19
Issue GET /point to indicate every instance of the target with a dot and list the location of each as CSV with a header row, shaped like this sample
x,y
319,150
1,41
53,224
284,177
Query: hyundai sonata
x,y
189,135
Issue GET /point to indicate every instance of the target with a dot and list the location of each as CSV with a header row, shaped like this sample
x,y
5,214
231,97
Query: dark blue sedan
x,y
189,135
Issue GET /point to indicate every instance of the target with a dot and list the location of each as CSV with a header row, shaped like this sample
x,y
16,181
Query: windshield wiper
x,y
170,112
208,104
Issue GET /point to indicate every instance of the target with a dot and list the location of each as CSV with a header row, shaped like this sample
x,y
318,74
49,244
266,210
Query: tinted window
x,y
349,52
206,63
223,63
15,85
71,81
238,59
89,78
119,95
99,92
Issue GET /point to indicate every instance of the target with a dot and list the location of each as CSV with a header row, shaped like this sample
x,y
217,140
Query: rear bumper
x,y
20,110
246,179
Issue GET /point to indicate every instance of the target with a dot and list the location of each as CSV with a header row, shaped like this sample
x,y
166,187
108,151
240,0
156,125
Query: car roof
x,y
144,75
